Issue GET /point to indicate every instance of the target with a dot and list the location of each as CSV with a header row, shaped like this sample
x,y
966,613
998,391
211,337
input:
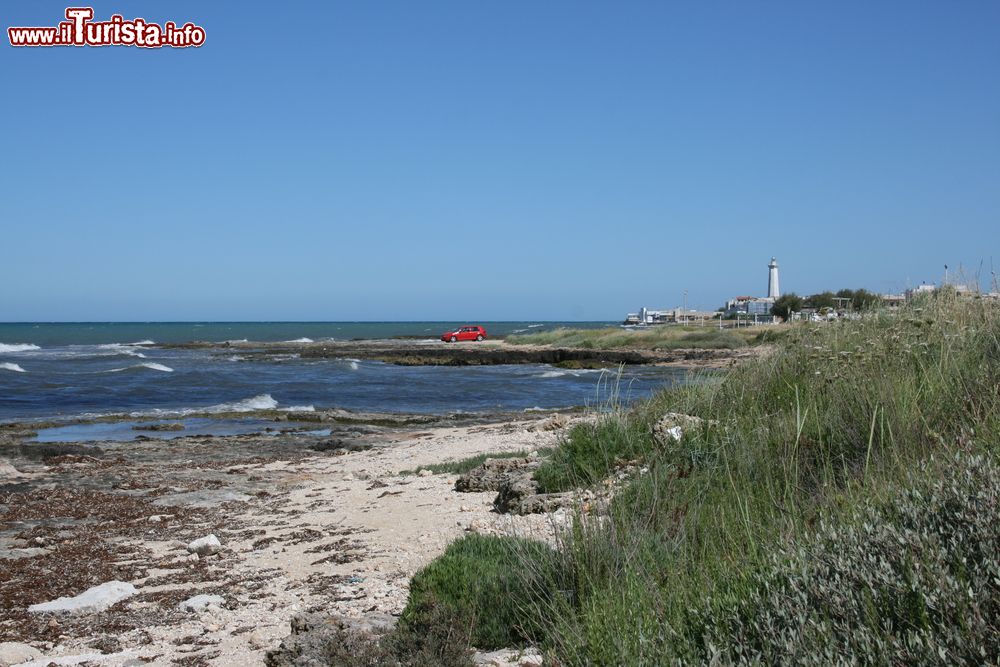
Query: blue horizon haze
x,y
514,161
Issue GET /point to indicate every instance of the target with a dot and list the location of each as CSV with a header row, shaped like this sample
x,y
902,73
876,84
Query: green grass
x,y
479,579
750,540
666,337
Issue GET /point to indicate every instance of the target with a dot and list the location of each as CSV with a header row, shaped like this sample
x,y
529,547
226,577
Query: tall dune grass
x,y
841,507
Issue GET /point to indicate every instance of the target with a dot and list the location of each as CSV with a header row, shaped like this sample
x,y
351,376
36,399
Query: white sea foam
x,y
153,366
354,365
299,408
575,373
12,367
127,350
258,402
533,326
17,347
144,342
300,340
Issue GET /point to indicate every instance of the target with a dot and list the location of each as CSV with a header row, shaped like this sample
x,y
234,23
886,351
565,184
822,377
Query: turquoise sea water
x,y
92,333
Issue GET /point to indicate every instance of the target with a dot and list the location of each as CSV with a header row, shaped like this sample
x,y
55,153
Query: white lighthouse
x,y
773,291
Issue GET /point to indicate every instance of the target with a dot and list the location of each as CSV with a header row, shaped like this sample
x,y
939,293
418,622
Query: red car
x,y
464,333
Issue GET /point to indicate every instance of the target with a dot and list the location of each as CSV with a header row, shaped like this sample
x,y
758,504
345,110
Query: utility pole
x,y
685,309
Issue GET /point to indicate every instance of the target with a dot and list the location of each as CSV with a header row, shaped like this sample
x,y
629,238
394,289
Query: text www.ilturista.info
x,y
80,30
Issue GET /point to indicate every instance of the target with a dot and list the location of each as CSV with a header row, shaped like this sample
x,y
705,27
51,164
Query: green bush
x,y
498,584
914,581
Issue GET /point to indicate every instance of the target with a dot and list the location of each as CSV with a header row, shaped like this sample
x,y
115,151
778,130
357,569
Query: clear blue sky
x,y
494,160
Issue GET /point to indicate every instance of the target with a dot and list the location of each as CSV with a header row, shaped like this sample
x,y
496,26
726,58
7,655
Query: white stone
x,y
202,602
9,471
90,601
531,660
14,653
205,546
424,472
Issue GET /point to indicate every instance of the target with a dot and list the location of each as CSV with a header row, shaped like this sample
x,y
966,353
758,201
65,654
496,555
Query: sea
x,y
85,370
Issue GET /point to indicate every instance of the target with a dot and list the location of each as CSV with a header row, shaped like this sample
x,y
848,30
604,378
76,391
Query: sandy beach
x,y
338,531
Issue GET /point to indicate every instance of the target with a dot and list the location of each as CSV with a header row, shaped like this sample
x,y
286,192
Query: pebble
x,y
201,603
205,546
14,653
425,473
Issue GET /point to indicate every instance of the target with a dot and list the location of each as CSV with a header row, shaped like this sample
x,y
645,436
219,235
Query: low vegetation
x,y
479,579
839,506
666,337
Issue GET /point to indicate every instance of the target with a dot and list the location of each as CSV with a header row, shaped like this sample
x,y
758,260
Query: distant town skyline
x,y
514,161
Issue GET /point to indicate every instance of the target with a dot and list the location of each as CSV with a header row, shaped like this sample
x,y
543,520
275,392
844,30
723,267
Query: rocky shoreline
x,y
407,352
305,524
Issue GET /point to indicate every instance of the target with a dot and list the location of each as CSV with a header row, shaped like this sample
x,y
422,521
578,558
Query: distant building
x,y
923,288
756,305
773,291
751,305
893,301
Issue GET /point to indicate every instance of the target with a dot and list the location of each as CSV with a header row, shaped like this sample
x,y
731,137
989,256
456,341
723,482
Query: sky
x,y
559,160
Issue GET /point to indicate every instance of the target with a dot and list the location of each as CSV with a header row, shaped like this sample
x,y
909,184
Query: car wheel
x,y
479,337
453,339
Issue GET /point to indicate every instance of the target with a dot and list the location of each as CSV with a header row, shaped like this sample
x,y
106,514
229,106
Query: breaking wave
x,y
153,366
12,367
258,402
300,340
299,408
127,350
575,373
17,347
